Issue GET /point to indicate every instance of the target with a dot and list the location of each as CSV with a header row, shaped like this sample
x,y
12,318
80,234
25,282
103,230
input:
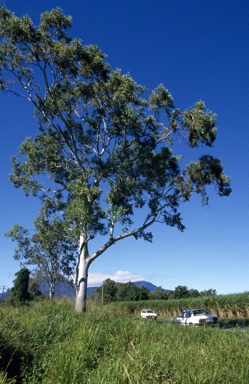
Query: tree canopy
x,y
104,150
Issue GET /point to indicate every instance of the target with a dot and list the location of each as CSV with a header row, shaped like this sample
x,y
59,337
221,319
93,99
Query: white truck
x,y
196,316
148,314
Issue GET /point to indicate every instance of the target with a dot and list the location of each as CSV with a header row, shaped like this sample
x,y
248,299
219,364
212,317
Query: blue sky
x,y
198,50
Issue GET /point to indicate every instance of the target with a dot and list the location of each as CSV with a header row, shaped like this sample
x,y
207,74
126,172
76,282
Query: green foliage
x,y
108,291
103,151
111,291
50,343
48,248
181,291
19,293
201,125
96,130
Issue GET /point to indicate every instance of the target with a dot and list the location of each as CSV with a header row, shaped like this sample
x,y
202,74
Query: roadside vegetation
x,y
39,340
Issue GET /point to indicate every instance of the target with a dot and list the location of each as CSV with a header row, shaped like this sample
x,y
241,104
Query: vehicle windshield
x,y
200,312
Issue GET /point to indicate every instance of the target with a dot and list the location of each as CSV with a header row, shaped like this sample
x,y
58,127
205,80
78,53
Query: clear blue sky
x,y
198,50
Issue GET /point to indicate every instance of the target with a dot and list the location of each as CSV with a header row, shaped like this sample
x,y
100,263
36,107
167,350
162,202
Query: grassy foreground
x,y
49,343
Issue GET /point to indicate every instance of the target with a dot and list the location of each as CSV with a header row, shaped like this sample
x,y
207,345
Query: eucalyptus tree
x,y
48,249
103,146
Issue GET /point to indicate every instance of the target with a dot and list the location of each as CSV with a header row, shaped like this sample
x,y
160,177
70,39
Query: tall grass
x,y
51,344
26,332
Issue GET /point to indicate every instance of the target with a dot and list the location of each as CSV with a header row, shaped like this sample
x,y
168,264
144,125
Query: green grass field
x,y
49,343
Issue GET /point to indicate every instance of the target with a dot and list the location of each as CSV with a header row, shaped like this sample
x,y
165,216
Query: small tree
x,y
48,249
19,292
102,149
108,291
181,292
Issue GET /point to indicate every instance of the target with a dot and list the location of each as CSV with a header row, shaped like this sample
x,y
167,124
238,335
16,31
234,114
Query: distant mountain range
x,y
64,289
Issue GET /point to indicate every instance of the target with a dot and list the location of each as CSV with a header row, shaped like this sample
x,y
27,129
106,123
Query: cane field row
x,y
225,306
48,342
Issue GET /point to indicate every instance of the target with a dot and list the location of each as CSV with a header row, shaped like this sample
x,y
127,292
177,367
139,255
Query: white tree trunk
x,y
51,291
81,277
51,283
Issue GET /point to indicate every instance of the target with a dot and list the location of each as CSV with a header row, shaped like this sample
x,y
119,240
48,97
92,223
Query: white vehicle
x,y
197,316
148,314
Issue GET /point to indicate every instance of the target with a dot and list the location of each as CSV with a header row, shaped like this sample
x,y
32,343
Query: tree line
x,y
112,291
